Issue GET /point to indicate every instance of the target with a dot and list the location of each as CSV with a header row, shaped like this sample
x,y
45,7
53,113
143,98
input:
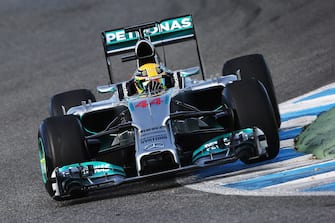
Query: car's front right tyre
x,y
68,99
61,142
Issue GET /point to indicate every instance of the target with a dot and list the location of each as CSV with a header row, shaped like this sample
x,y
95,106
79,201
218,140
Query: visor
x,y
149,85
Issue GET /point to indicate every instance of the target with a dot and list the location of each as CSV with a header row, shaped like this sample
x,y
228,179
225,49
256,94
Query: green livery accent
x,y
43,164
87,130
212,146
165,31
90,132
100,169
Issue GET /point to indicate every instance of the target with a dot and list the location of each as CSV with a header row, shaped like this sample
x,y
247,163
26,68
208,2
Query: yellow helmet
x,y
149,79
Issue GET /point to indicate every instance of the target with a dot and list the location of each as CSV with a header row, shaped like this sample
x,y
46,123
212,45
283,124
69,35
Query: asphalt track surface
x,y
51,46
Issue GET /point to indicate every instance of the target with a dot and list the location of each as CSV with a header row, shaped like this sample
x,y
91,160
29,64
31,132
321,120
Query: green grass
x,y
319,137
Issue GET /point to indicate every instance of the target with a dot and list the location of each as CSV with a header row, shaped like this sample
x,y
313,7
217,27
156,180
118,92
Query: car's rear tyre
x,y
252,108
69,99
60,142
254,67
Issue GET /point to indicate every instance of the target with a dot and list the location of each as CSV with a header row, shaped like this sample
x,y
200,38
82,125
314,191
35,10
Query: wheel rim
x,y
43,164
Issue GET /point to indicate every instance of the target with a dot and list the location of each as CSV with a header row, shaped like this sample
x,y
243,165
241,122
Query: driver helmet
x,y
149,79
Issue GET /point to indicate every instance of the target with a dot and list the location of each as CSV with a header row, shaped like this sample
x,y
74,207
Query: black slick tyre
x,y
252,108
254,67
69,99
60,142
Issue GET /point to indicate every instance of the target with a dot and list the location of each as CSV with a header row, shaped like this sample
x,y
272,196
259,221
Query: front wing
x,y
97,175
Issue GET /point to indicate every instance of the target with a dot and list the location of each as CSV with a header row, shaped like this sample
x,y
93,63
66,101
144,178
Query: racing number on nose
x,y
144,104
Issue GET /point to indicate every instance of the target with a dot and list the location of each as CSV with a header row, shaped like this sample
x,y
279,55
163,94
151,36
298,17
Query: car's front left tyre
x,y
252,107
254,66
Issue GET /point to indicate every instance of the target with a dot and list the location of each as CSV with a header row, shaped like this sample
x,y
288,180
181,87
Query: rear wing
x,y
164,32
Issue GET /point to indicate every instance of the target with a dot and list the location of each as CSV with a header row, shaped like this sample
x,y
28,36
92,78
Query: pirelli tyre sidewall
x,y
254,67
69,99
60,142
252,108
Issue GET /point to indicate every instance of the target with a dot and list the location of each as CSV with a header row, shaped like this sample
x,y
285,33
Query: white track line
x,y
306,182
319,90
298,122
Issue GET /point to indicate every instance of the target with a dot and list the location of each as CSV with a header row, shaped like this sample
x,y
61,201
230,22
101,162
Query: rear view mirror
x,y
106,89
189,72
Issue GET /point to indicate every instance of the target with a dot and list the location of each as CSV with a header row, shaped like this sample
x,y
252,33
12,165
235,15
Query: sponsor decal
x,y
221,143
165,27
211,146
153,136
154,146
92,168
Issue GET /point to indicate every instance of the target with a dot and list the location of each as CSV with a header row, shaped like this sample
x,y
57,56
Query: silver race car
x,y
160,121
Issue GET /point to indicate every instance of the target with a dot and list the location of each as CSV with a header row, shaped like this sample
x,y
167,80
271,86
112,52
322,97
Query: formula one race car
x,y
160,121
